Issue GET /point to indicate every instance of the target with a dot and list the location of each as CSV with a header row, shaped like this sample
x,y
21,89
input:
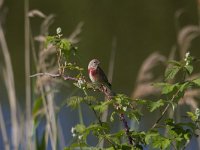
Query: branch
x,y
55,76
165,110
127,129
110,94
107,92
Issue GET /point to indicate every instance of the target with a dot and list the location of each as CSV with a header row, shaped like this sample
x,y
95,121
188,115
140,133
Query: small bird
x,y
96,74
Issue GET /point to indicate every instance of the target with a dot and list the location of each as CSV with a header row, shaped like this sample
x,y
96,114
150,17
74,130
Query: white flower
x,y
58,30
73,134
72,130
187,54
80,137
80,81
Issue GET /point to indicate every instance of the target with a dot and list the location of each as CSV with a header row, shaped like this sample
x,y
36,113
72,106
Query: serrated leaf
x,y
80,128
126,147
65,45
171,72
197,81
189,68
184,86
192,116
140,101
90,98
157,141
135,115
103,106
155,105
74,101
166,87
175,63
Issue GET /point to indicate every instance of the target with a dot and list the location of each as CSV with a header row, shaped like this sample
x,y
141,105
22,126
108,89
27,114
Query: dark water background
x,y
140,27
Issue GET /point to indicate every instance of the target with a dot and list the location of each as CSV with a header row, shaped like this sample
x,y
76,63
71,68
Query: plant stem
x,y
122,118
165,110
80,114
99,120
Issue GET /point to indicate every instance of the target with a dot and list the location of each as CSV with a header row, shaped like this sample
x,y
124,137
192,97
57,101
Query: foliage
x,y
167,135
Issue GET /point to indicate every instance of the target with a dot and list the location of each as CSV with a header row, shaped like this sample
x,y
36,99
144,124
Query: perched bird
x,y
96,74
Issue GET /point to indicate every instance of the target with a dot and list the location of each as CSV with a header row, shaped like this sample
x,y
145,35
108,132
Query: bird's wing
x,y
103,77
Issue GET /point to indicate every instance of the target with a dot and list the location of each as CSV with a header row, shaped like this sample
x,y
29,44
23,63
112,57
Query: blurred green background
x,y
140,27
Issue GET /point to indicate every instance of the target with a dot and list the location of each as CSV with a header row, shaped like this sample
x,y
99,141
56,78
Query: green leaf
x,y
77,145
184,86
196,81
97,127
74,101
80,128
141,101
122,99
112,116
126,147
155,105
175,63
110,148
103,106
65,45
157,141
189,69
37,106
134,114
166,87
90,99
171,72
50,40
192,116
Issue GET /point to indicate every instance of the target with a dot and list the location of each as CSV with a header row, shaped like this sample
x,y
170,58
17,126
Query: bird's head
x,y
93,64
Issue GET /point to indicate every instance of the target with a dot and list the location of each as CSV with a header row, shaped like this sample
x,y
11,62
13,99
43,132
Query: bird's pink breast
x,y
92,74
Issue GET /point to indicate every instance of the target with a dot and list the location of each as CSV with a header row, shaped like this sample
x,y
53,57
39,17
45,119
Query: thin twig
x,y
45,74
110,94
99,120
165,110
54,76
127,129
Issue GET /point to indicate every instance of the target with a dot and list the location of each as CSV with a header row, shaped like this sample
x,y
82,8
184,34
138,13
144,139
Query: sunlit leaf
x,y
189,68
197,81
193,116
166,87
112,116
80,128
102,106
155,105
157,141
135,115
171,72
175,63
74,101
